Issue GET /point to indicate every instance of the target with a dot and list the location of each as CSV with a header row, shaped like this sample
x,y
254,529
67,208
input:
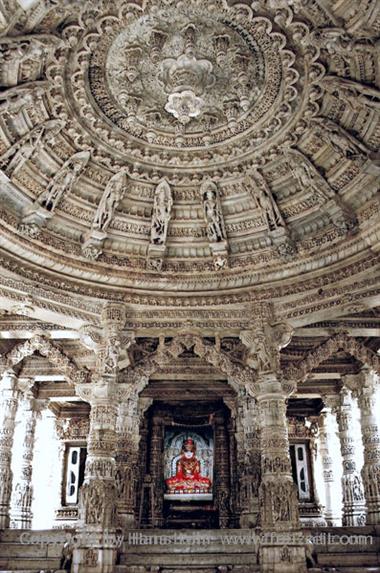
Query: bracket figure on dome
x,y
16,156
162,207
92,246
216,230
13,100
64,180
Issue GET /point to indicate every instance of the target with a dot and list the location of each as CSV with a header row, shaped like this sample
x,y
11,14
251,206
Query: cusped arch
x,y
340,341
53,353
238,376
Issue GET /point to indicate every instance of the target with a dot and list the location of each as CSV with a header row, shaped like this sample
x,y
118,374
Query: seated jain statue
x,y
188,477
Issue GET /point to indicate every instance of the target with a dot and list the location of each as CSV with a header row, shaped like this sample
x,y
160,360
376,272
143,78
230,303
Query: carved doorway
x,y
188,454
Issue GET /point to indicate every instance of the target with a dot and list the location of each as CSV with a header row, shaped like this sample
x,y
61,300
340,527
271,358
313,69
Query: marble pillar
x,y
249,465
331,513
354,511
222,477
96,551
127,457
22,496
156,468
9,394
364,386
278,493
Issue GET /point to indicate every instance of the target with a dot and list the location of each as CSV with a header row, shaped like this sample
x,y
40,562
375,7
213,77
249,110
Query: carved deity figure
x,y
340,139
14,158
307,175
14,99
23,151
162,207
109,202
188,478
265,202
63,181
352,92
213,213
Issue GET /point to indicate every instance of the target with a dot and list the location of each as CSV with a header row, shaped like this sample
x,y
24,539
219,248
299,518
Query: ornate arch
x,y
237,375
52,352
340,341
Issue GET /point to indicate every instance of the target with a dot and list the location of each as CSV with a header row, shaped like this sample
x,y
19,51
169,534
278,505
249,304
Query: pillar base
x,y
283,553
96,551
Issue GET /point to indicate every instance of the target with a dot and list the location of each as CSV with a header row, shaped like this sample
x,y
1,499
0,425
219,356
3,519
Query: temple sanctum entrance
x,y
189,458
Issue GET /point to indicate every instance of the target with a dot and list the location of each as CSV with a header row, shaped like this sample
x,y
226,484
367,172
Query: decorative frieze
x,y
9,394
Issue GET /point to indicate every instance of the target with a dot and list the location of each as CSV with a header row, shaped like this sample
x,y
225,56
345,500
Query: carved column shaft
x,y
365,386
325,436
222,489
352,486
23,491
278,494
127,454
249,464
98,490
156,445
8,408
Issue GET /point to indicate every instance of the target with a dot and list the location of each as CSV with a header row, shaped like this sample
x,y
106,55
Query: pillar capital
x,y
363,383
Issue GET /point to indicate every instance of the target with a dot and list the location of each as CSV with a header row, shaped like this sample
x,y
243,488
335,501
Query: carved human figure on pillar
x,y
63,181
162,206
213,213
110,200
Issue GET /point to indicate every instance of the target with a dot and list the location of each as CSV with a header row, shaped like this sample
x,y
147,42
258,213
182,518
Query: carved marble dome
x,y
117,99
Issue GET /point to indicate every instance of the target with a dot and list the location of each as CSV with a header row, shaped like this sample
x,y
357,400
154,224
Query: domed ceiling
x,y
189,146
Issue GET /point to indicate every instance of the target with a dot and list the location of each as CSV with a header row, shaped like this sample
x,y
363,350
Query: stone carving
x,y
364,386
341,141
93,241
327,349
52,353
8,409
264,200
13,100
162,207
216,231
337,40
13,159
110,200
63,181
352,92
263,343
23,56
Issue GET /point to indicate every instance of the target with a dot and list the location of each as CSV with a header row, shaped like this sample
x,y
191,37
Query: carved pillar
x,y
329,478
23,491
155,465
8,407
249,461
222,485
97,503
278,493
127,455
364,386
354,510
278,500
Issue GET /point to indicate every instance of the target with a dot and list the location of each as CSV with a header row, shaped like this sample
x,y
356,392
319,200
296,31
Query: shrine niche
x,y
188,464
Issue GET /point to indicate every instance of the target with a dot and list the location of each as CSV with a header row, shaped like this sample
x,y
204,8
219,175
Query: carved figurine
x,y
63,181
110,200
162,207
340,139
213,212
264,201
14,99
352,92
